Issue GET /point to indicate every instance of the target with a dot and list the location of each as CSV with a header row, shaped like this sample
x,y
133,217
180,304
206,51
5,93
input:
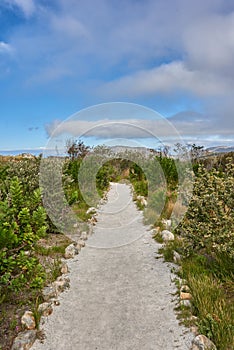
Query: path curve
x,y
121,297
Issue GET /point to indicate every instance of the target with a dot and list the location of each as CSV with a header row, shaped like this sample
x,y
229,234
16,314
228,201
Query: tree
x,y
196,152
76,149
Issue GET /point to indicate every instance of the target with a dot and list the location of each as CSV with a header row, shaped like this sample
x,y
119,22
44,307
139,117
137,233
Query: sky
x,y
58,57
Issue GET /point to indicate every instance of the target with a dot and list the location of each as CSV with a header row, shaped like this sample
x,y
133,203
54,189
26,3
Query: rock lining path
x,y
120,297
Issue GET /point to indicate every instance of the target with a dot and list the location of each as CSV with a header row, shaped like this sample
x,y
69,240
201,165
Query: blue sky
x,y
60,56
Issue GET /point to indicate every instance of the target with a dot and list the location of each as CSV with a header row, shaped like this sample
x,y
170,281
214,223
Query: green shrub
x,y
21,225
209,221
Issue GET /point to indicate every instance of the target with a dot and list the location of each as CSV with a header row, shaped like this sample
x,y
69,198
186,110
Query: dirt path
x,y
120,295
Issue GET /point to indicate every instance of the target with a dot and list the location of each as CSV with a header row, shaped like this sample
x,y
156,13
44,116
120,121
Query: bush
x,y
22,223
209,221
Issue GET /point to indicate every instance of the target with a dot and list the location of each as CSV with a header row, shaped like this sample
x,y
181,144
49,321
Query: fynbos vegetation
x,y
204,238
205,241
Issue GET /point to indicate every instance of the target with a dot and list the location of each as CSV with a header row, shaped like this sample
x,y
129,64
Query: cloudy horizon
x,y
59,57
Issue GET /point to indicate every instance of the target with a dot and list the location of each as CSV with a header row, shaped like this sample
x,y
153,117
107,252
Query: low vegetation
x,y
205,241
31,246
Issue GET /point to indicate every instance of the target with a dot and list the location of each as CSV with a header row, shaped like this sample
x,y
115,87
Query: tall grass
x,y
216,315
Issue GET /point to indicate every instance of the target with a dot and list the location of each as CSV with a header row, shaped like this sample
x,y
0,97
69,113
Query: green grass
x,y
168,249
210,280
158,238
53,270
80,210
50,251
212,297
215,313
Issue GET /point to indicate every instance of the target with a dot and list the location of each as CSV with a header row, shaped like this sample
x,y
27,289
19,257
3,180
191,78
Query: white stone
x,y
194,330
166,223
45,309
185,288
186,303
61,283
91,210
176,257
167,235
28,320
142,200
64,268
24,340
49,292
70,251
80,243
84,236
201,342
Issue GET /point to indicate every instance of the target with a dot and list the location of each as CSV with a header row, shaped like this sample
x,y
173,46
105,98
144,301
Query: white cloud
x,y
166,79
209,44
186,125
132,49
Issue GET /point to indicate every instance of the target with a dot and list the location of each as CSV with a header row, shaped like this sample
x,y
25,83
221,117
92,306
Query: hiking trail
x,y
120,296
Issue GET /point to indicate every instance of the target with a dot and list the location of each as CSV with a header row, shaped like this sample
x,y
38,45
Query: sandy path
x,y
120,295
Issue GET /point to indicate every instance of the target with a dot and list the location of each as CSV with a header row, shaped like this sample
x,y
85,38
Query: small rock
x,y
61,284
70,251
24,340
142,200
156,230
28,320
78,247
176,257
184,288
185,296
201,342
194,330
84,236
186,303
179,269
81,243
45,309
166,223
193,318
49,292
167,235
181,281
64,268
92,220
91,210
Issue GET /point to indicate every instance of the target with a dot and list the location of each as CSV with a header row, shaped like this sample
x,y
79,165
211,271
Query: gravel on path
x,y
120,297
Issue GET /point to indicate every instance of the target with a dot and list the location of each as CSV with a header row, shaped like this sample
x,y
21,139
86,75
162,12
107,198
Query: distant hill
x,y
143,150
221,149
